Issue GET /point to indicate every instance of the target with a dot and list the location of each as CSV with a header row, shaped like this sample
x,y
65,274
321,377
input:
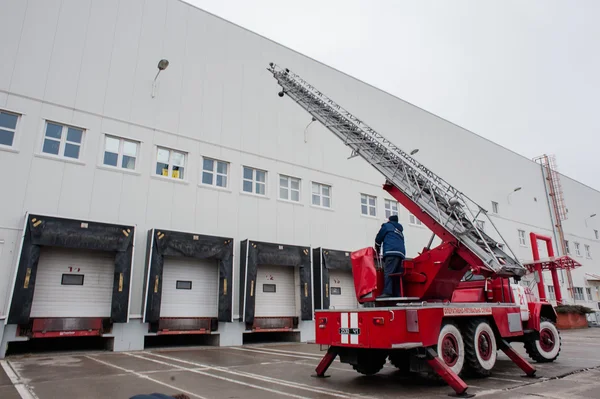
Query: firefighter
x,y
391,236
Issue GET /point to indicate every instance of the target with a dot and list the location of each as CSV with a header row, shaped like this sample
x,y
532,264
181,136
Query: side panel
x,y
243,278
318,290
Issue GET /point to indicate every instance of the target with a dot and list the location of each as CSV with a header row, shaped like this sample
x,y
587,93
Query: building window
x,y
72,279
270,288
551,294
567,247
170,163
480,225
578,293
8,127
522,241
588,292
62,140
254,181
597,235
120,153
214,173
577,249
588,254
289,188
412,219
391,208
494,207
368,205
321,195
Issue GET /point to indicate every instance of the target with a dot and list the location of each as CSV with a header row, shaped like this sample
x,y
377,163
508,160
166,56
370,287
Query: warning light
x,y
378,321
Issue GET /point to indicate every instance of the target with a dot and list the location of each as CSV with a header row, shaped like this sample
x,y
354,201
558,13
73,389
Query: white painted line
x,y
292,352
145,377
505,379
21,388
273,353
216,376
272,380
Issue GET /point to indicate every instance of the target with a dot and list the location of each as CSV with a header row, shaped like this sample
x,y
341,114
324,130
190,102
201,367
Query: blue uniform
x,y
391,236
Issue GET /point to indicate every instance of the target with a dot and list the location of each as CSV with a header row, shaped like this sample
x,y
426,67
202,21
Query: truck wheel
x,y
401,361
547,348
480,348
369,363
451,347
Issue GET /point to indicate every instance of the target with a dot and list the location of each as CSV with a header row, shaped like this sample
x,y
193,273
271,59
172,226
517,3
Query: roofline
x,y
377,88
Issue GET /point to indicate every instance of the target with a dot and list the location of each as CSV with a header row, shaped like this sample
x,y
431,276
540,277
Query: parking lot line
x,y
21,388
272,380
273,353
194,370
284,351
143,376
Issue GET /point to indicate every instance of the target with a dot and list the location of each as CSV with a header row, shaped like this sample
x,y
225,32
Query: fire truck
x,y
458,306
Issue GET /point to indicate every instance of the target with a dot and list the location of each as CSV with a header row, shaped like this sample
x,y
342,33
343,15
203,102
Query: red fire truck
x,y
457,306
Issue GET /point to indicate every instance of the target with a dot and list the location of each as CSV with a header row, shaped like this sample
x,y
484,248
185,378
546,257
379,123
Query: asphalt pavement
x,y
281,370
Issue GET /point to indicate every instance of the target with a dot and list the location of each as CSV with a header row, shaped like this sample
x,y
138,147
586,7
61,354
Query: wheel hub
x,y
547,340
449,350
484,345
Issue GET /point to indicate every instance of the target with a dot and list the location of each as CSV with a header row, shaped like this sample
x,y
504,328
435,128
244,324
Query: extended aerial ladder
x,y
444,304
452,215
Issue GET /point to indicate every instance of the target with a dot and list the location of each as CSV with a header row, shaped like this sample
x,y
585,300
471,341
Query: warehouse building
x,y
158,185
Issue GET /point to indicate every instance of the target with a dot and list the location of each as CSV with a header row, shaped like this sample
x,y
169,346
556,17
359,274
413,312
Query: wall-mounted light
x,y
512,192
413,152
162,65
589,217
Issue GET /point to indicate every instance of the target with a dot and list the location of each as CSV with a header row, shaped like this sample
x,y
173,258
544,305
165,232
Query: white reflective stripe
x,y
354,324
344,325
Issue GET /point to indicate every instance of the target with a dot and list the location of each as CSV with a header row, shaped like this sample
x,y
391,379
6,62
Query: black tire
x,y
481,349
546,351
401,361
370,363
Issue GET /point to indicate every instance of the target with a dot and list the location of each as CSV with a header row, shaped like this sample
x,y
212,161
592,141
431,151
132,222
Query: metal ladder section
x,y
454,211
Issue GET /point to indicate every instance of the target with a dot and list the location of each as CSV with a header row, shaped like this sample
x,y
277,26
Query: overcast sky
x,y
524,74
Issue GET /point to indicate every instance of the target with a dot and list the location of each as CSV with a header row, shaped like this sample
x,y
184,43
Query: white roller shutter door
x,y
198,299
282,302
341,290
58,296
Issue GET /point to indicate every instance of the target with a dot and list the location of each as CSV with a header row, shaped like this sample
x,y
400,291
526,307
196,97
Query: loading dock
x,y
72,277
188,282
333,280
275,286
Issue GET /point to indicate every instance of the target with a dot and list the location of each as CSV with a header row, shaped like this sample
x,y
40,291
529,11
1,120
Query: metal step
x,y
445,204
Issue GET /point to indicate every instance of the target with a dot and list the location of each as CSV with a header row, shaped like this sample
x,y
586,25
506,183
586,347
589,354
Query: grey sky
x,y
525,74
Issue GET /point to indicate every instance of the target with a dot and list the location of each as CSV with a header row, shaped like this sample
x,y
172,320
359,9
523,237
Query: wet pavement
x,y
281,371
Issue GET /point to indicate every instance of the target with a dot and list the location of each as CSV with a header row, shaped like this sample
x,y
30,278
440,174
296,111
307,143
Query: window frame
x,y
120,154
321,195
578,294
568,249
215,173
551,293
184,285
413,220
522,238
63,141
289,188
388,211
254,181
587,249
14,131
495,207
480,225
169,175
577,248
370,207
588,293
68,275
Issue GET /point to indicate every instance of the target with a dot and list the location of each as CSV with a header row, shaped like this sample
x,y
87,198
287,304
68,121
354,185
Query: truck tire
x,y
370,363
451,347
401,361
480,348
547,348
